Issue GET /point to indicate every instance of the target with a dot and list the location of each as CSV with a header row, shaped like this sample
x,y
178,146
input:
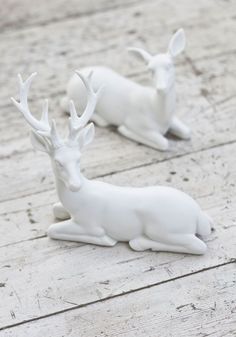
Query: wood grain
x,y
56,50
198,305
29,217
56,269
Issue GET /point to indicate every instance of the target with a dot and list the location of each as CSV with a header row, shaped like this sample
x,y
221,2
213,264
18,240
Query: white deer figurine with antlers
x,y
141,113
157,218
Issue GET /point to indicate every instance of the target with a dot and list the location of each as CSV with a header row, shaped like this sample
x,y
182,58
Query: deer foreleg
x,y
60,212
71,231
152,139
179,129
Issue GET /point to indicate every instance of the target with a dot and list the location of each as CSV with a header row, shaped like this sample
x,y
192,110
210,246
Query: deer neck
x,y
164,105
72,200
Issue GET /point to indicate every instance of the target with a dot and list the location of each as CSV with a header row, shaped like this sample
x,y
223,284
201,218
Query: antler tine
x,y
92,98
86,80
43,124
76,123
44,116
73,114
57,142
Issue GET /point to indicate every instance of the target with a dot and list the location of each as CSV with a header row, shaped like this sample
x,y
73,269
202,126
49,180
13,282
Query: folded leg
x,y
179,129
70,231
60,212
152,139
189,244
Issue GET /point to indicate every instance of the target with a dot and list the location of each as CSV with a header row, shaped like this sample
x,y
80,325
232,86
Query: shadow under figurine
x,y
141,113
158,218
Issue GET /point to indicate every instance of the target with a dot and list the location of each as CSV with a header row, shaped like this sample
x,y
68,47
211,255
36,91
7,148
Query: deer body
x,y
144,114
123,100
126,213
158,218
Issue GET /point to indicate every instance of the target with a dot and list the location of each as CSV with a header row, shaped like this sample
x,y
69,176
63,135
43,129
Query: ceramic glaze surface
x,y
158,218
144,114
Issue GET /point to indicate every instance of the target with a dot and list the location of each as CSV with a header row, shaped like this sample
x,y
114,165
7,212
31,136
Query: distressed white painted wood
x,y
29,217
18,15
61,276
187,82
15,15
100,160
61,48
56,269
218,77
198,305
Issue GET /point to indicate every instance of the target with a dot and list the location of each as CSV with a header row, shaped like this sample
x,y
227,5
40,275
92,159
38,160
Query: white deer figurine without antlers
x,y
157,218
141,113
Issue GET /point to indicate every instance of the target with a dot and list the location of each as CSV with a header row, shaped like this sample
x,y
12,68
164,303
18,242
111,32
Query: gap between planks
x,y
208,133
61,64
221,242
233,261
9,27
154,175
146,164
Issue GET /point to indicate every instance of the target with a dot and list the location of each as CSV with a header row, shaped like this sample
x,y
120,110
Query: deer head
x,y
162,65
65,154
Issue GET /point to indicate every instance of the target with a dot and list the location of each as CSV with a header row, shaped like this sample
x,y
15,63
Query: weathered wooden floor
x,y
56,289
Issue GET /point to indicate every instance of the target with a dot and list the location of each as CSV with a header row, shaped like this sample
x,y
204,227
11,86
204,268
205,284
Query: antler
x,y
77,123
42,126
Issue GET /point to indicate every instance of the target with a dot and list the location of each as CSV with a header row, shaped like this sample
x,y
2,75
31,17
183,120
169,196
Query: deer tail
x,y
205,224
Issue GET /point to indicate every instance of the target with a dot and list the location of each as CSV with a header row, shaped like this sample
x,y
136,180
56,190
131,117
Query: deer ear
x,y
86,135
177,43
141,54
38,142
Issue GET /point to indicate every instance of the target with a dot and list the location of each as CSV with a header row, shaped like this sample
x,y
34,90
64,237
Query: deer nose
x,y
161,81
74,186
161,87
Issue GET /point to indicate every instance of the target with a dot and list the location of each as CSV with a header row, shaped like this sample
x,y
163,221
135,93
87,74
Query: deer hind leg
x,y
60,212
179,129
152,139
71,231
142,243
189,244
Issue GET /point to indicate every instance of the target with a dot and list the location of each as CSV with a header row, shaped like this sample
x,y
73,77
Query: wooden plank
x,y
199,305
218,78
30,216
18,140
56,50
42,276
109,152
206,83
16,15
219,128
